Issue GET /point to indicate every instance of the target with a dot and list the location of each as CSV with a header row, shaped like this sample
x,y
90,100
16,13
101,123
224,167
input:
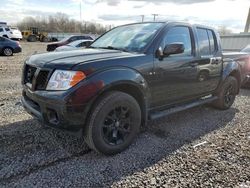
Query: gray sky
x,y
230,13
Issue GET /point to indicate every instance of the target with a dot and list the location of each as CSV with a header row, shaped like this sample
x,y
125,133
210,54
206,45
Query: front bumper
x,y
51,109
17,50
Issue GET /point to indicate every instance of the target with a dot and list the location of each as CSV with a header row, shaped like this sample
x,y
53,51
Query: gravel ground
x,y
200,147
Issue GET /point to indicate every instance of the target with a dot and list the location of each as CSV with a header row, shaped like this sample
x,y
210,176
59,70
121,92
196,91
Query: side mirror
x,y
174,48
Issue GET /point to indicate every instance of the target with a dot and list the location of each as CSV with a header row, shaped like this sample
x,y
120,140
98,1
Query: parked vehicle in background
x,y
33,34
11,33
3,24
131,74
246,49
8,47
243,60
67,40
78,44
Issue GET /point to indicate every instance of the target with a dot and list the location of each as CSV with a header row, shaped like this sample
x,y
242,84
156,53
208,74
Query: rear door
x,y
210,63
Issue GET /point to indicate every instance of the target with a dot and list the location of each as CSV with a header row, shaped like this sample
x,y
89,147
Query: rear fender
x,y
230,68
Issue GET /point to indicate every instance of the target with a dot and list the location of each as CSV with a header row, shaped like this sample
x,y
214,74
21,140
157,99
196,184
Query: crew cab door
x,y
175,76
188,75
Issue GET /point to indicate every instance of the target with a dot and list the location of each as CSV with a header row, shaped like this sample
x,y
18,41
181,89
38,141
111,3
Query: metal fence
x,y
235,42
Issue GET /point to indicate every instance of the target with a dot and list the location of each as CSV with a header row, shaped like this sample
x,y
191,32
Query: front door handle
x,y
194,64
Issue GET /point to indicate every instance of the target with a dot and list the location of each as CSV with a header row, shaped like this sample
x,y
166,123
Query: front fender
x,y
117,76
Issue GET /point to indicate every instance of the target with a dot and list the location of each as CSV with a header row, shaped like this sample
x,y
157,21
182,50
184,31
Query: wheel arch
x,y
124,80
230,68
236,74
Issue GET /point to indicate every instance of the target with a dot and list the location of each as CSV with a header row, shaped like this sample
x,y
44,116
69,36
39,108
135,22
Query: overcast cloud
x,y
229,13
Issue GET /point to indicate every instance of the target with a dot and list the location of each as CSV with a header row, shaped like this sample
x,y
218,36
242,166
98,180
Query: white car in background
x,y
74,45
10,32
246,49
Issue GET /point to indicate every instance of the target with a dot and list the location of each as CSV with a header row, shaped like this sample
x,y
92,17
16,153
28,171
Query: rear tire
x,y
227,94
7,51
32,38
113,123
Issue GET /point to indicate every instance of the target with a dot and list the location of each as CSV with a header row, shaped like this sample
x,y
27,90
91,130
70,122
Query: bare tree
x,y
61,22
223,30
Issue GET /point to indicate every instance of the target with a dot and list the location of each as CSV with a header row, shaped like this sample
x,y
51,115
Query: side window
x,y
82,44
203,41
1,29
212,42
72,39
7,29
179,34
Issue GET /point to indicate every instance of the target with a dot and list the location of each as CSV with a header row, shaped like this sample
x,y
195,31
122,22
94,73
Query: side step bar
x,y
159,114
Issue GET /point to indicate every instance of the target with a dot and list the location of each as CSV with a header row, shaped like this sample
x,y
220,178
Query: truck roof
x,y
174,22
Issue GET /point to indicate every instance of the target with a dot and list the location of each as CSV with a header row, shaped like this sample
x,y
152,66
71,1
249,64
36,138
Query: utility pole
x,y
80,16
247,22
80,10
142,18
155,16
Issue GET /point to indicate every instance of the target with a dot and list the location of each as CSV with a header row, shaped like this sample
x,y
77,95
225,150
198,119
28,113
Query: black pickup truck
x,y
129,75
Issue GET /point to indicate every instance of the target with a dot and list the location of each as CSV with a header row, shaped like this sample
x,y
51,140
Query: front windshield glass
x,y
133,38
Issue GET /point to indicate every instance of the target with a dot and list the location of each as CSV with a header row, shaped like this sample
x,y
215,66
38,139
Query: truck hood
x,y
68,59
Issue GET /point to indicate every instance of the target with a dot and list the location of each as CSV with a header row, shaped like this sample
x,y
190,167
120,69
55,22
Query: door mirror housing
x,y
174,48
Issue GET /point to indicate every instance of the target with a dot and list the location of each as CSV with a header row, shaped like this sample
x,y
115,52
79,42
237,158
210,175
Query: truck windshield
x,y
132,38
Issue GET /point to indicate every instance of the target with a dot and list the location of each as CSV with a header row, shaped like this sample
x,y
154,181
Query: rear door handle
x,y
216,60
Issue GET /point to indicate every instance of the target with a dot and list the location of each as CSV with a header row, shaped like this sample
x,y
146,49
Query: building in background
x,y
236,42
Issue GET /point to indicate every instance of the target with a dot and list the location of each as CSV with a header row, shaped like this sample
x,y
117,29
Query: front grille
x,y
29,74
36,78
42,79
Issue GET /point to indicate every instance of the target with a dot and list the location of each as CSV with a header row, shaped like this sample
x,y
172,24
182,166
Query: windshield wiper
x,y
114,48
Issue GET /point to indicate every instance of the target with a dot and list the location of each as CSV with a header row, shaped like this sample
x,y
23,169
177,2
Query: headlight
x,y
63,80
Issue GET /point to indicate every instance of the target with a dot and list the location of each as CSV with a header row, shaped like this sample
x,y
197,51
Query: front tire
x,y
227,94
7,51
113,123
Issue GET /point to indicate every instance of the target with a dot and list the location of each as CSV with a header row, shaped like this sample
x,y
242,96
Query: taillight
x,y
18,43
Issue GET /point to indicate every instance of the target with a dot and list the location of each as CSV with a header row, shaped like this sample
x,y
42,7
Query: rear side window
x,y
85,37
82,44
211,41
1,29
206,41
179,34
7,29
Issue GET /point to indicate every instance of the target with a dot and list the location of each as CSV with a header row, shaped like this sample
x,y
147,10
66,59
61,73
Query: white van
x,y
10,32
